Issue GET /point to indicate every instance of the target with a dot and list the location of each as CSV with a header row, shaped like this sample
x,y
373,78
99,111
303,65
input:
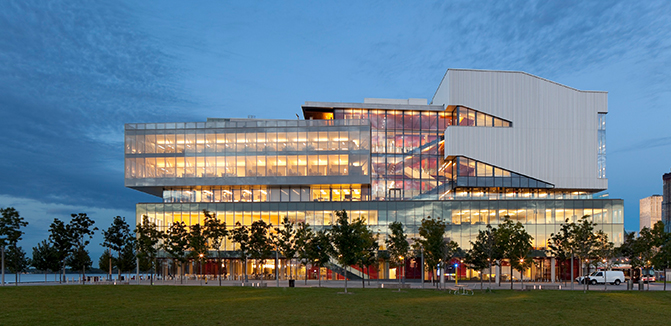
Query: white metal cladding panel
x,y
554,134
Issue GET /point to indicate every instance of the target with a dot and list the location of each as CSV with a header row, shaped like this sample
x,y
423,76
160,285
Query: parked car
x,y
612,277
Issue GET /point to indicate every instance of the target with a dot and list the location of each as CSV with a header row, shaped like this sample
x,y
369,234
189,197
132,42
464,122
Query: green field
x,y
210,305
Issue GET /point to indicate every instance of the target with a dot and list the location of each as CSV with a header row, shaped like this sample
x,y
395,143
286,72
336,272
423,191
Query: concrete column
x,y
552,269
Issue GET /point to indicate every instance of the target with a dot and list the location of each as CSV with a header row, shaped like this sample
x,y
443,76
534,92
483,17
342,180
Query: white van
x,y
612,277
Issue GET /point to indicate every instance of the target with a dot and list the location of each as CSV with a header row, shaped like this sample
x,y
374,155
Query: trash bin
x,y
292,283
640,285
630,285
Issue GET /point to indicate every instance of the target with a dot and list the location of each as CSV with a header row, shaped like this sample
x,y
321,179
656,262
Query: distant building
x,y
650,211
666,203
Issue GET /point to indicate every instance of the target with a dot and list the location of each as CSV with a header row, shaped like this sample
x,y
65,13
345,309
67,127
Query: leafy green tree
x,y
560,244
240,235
484,252
368,247
127,262
116,238
59,237
345,243
515,244
215,232
197,244
81,231
260,245
604,250
80,260
106,261
662,258
10,233
432,241
584,241
398,248
320,249
44,258
304,235
520,250
17,261
286,241
176,243
147,241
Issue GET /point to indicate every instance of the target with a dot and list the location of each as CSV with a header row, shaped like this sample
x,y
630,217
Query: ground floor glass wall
x,y
465,218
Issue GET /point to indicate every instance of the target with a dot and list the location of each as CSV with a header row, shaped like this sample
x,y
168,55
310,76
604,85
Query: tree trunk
x,y
345,279
219,266
363,281
399,278
319,275
489,279
2,249
481,281
511,274
664,279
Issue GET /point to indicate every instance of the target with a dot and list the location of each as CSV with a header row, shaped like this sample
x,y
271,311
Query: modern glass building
x,y
490,144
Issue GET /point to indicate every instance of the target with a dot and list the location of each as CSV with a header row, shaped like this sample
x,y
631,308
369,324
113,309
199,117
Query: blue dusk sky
x,y
73,72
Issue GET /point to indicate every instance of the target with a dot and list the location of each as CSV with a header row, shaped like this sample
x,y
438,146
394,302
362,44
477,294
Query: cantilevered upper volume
x,y
556,133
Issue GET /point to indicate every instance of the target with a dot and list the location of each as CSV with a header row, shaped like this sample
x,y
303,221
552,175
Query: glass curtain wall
x,y
248,149
464,217
406,151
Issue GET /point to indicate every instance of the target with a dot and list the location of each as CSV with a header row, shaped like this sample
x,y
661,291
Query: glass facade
x,y
467,172
601,149
465,217
253,152
380,164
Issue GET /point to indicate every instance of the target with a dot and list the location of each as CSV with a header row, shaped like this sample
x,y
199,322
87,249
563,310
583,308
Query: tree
x,y
81,231
368,247
398,248
286,241
560,244
303,237
662,258
240,235
484,252
584,241
260,246
44,258
146,243
17,261
10,233
176,243
320,250
106,261
127,262
433,243
198,245
80,260
345,244
116,237
604,250
59,237
520,250
215,232
515,244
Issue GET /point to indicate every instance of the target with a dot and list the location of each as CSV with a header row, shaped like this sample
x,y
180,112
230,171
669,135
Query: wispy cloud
x,y
73,73
644,144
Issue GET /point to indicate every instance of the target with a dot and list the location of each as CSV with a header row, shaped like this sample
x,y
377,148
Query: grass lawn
x,y
209,305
